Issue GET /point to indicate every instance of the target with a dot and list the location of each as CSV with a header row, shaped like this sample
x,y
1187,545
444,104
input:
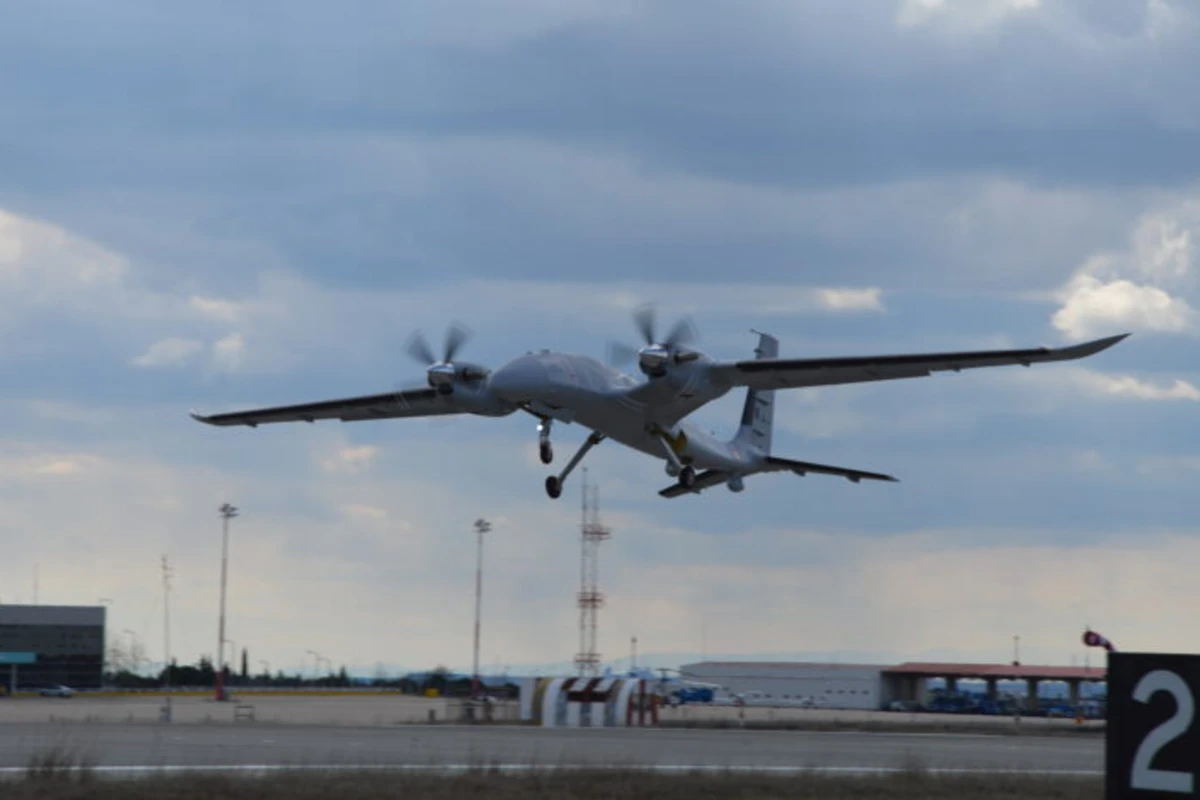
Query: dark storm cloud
x,y
775,93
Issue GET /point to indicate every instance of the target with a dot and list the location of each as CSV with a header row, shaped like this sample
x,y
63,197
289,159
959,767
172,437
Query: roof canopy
x,y
921,669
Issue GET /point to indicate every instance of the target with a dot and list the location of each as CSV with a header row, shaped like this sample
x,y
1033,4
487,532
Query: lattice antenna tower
x,y
591,599
167,574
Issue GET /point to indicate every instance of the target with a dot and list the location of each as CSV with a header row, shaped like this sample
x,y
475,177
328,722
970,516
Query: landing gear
x,y
554,483
687,477
686,472
545,449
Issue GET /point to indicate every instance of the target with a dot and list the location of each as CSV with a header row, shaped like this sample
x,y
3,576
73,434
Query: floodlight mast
x,y
227,512
482,526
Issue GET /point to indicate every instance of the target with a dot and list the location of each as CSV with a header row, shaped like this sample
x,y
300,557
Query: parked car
x,y
951,704
57,691
1060,710
993,707
904,705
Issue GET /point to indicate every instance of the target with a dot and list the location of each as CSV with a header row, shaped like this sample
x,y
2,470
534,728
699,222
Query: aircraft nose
x,y
519,380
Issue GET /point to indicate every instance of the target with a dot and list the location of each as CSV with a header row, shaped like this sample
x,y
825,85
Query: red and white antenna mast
x,y
591,599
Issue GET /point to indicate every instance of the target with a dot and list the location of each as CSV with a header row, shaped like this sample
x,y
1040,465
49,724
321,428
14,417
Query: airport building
x,y
786,683
876,686
49,645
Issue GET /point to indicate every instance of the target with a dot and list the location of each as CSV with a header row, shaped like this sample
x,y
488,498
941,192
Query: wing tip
x,y
1109,341
1084,349
196,415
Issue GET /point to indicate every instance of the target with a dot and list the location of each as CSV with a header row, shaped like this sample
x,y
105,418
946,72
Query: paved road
x,y
139,744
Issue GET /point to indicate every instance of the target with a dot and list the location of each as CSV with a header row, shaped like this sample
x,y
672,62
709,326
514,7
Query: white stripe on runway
x,y
457,769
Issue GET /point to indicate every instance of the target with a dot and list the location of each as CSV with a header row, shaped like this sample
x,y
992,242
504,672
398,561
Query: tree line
x,y
202,673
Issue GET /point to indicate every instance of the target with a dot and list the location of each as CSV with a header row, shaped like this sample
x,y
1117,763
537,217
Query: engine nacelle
x,y
653,360
444,375
735,483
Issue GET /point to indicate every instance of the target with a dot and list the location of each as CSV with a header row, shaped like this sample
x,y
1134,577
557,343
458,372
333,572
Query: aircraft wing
x,y
421,402
793,373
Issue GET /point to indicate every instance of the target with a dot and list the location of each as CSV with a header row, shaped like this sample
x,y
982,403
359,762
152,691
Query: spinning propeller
x,y
654,357
443,374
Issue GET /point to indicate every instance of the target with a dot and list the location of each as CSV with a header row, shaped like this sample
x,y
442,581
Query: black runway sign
x,y
1153,741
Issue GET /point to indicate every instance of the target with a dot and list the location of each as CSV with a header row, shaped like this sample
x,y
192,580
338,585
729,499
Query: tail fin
x,y
758,413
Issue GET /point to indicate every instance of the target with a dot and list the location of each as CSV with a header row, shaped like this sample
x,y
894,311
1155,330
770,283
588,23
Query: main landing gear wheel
x,y
546,452
687,477
553,487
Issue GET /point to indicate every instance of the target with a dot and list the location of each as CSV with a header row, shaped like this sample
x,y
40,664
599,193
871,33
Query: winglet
x,y
196,415
1091,348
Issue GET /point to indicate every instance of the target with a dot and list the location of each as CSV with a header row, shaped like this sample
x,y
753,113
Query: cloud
x,y
1092,307
1144,288
229,352
350,460
59,466
958,15
22,461
41,262
365,512
851,299
1129,386
219,310
168,353
67,412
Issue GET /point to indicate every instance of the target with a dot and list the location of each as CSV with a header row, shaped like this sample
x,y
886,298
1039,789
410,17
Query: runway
x,y
147,745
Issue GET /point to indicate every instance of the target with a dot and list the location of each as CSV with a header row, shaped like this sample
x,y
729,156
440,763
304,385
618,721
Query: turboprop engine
x,y
443,375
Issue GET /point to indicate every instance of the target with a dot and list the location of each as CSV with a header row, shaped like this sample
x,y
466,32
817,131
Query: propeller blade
x,y
643,317
683,333
456,336
418,347
620,354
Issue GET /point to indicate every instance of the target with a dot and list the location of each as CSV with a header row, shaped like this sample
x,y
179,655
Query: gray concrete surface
x,y
392,709
350,709
145,744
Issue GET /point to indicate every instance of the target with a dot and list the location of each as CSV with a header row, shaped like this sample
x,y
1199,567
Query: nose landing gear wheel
x,y
553,487
546,452
687,477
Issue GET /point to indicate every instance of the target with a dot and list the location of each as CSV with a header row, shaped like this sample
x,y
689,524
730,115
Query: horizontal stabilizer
x,y
704,480
805,467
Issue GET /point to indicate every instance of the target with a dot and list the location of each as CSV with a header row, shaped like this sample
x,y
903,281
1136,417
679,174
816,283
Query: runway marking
x,y
454,769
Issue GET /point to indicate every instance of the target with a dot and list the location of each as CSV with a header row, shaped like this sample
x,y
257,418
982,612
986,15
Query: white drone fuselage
x,y
638,414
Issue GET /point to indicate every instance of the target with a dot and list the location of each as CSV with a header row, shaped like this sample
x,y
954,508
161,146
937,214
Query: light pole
x,y
482,526
316,661
266,669
227,512
166,578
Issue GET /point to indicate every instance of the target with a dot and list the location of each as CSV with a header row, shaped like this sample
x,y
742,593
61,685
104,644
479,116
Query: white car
x,y
57,691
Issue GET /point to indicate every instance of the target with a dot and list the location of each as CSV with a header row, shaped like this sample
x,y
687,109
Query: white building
x,y
791,683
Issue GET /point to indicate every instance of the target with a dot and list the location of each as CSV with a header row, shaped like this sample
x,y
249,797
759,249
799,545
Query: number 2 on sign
x,y
1161,780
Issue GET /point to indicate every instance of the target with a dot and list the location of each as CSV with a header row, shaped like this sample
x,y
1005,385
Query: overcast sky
x,y
220,205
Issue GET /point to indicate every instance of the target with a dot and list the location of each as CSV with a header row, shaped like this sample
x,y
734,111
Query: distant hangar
x,y
873,686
